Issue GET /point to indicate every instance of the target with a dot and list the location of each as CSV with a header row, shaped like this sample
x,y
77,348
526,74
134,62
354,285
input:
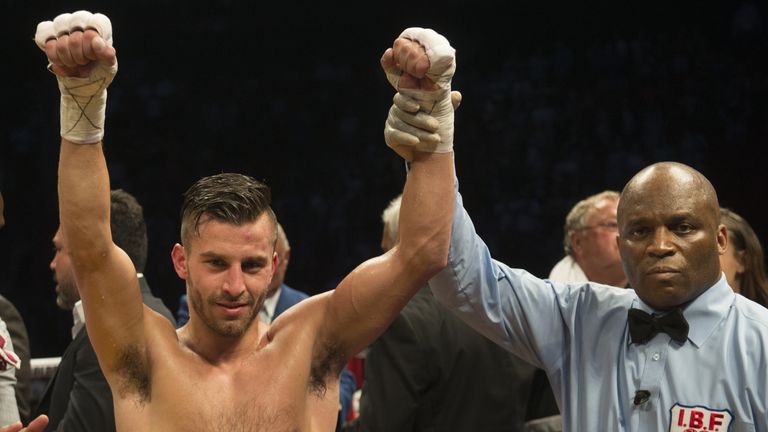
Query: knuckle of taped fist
x,y
79,21
68,23
44,34
400,44
102,25
61,25
423,64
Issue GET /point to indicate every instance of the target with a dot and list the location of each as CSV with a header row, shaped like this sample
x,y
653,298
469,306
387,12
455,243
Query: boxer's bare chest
x,y
264,391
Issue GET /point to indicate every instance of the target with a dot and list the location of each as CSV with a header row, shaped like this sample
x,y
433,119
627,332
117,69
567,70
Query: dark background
x,y
562,99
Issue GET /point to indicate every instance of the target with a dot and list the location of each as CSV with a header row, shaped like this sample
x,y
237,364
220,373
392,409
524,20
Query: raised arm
x,y
369,298
80,53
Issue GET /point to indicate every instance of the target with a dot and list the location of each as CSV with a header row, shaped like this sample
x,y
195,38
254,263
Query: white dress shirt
x,y
268,308
568,270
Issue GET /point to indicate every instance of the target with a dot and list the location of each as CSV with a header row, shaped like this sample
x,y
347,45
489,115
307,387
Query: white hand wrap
x,y
83,100
437,103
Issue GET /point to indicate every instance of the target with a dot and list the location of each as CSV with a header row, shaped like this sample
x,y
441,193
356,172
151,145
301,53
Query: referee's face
x,y
670,238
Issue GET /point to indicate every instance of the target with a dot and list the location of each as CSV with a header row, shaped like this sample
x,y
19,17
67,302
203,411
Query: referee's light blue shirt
x,y
716,381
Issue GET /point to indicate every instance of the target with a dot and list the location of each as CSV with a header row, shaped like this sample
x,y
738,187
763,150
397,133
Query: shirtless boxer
x,y
224,370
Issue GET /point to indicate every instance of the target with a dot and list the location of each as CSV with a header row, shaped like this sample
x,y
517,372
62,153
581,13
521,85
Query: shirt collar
x,y
269,306
704,312
78,316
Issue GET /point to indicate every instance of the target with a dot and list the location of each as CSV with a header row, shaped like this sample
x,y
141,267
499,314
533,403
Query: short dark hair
x,y
228,197
129,230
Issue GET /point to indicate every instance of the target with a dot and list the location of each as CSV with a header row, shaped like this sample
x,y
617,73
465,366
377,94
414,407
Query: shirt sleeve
x,y
513,308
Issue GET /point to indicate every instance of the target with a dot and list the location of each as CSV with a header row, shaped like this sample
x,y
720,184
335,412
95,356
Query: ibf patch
x,y
699,419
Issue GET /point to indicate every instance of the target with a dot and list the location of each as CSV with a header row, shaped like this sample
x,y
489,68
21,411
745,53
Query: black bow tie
x,y
644,326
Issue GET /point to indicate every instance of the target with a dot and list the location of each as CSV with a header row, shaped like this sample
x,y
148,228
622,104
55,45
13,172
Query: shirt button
x,y
656,356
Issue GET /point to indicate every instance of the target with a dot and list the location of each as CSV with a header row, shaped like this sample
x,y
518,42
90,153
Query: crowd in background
x,y
544,122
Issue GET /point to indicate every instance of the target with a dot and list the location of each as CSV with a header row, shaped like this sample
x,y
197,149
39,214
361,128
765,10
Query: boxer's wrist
x,y
82,114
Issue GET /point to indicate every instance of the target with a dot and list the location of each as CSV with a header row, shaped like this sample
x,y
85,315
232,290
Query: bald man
x,y
609,368
678,352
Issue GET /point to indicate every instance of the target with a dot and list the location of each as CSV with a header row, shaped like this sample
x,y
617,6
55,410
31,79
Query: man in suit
x,y
413,370
78,397
280,296
18,332
19,338
10,367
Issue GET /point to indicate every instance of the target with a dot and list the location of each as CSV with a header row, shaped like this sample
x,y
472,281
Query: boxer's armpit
x,y
133,373
326,365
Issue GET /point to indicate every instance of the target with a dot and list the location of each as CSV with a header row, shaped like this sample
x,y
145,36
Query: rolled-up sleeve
x,y
510,306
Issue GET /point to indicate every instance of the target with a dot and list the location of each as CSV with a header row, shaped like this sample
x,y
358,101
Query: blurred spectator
x,y
18,332
592,253
430,372
78,397
19,345
743,262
